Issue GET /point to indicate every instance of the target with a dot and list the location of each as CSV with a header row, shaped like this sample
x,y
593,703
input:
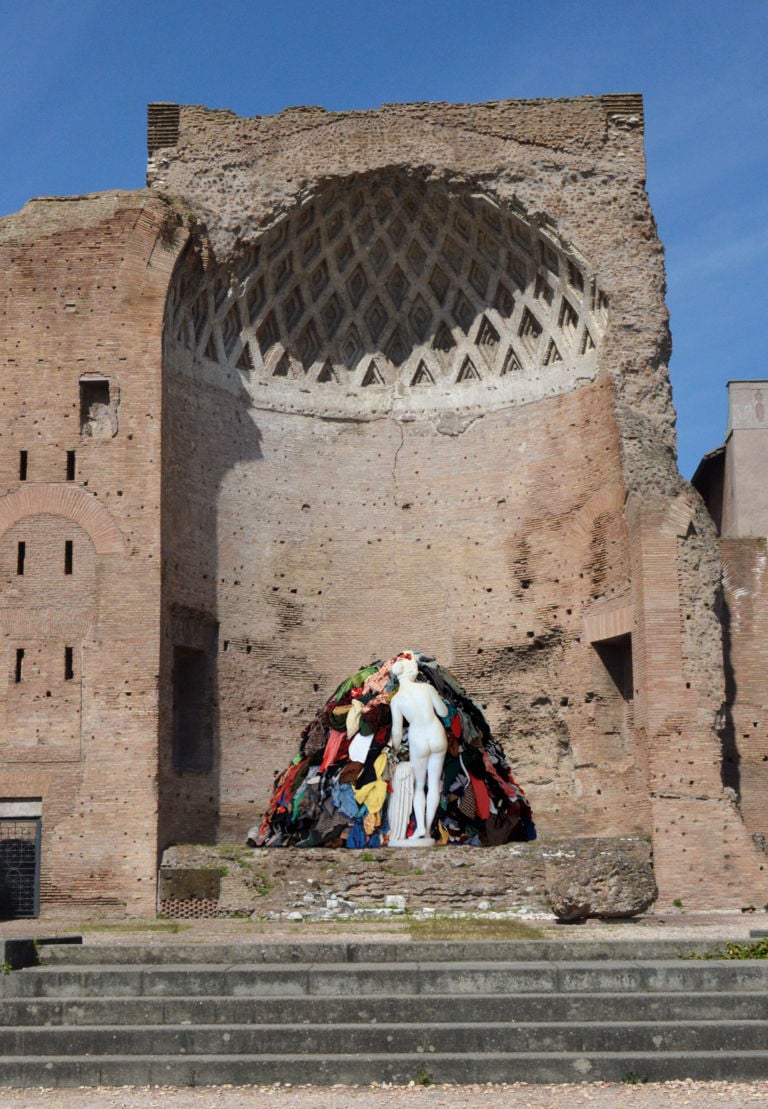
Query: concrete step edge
x,y
400,1069
691,966
173,1009
410,951
543,1026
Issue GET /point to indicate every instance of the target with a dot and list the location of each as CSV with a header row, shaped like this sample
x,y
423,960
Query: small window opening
x,y
23,461
70,465
69,671
21,554
616,656
68,545
95,410
19,664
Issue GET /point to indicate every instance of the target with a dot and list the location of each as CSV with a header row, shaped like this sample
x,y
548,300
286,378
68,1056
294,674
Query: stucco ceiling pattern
x,y
388,282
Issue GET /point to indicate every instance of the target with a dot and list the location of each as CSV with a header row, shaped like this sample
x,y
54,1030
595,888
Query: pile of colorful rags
x,y
336,790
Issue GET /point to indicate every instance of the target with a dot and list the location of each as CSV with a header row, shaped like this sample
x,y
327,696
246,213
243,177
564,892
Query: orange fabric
x,y
332,749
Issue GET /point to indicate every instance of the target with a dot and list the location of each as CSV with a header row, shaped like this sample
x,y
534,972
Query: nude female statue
x,y
418,704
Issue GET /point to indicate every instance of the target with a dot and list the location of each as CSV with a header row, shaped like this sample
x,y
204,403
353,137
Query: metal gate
x,y
19,867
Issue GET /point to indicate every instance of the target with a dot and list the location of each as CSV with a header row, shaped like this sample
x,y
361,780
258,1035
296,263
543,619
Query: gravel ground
x,y
597,1095
712,924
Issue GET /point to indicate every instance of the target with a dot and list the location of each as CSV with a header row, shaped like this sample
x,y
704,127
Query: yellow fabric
x,y
374,794
371,822
353,718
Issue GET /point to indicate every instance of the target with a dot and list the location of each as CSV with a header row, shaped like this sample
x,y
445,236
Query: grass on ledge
x,y
173,927
470,928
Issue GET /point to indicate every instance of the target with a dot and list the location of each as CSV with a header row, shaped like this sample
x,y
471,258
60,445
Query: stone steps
x,y
52,953
358,1013
539,1067
408,979
435,1008
397,1038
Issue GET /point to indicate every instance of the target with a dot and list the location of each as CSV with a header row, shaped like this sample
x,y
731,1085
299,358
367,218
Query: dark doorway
x,y
19,867
192,716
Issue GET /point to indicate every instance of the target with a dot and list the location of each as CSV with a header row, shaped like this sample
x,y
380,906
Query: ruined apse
x,y
333,386
416,395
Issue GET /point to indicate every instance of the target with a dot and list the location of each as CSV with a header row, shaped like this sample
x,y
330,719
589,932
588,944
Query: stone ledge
x,y
317,883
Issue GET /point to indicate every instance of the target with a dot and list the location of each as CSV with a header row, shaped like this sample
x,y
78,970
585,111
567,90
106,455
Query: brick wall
x,y
84,289
338,543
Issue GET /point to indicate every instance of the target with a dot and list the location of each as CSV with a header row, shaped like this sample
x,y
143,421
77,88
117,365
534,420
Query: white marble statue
x,y
418,704
400,803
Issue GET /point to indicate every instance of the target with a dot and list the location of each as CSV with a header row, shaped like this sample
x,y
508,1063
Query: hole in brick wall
x,y
70,465
616,657
69,671
23,461
21,554
98,415
68,555
19,664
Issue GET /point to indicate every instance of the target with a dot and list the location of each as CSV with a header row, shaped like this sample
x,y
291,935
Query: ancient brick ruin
x,y
333,385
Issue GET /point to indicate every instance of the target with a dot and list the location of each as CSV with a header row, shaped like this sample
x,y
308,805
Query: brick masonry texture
x,y
86,281
376,380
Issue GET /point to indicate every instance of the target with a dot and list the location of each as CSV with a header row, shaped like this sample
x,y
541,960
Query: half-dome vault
x,y
378,286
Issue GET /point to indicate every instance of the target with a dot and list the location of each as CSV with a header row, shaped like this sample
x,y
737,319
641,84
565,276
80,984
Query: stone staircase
x,y
251,1013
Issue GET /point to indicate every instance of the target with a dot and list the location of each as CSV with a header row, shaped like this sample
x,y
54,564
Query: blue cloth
x,y
357,837
343,798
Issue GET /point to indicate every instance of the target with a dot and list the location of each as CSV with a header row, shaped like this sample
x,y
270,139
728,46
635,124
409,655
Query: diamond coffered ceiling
x,y
385,283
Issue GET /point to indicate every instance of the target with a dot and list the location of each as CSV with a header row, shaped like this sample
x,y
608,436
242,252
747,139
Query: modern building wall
x,y
745,498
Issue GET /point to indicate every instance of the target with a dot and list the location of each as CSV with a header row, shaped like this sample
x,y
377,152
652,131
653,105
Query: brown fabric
x,y
351,772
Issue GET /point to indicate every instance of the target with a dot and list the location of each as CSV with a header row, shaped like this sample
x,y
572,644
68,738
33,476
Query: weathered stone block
x,y
189,884
600,879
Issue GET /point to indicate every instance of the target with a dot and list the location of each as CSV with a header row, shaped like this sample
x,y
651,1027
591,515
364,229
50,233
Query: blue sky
x,y
76,76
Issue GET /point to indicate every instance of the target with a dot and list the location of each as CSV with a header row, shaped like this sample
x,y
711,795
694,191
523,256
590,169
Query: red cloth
x,y
482,797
